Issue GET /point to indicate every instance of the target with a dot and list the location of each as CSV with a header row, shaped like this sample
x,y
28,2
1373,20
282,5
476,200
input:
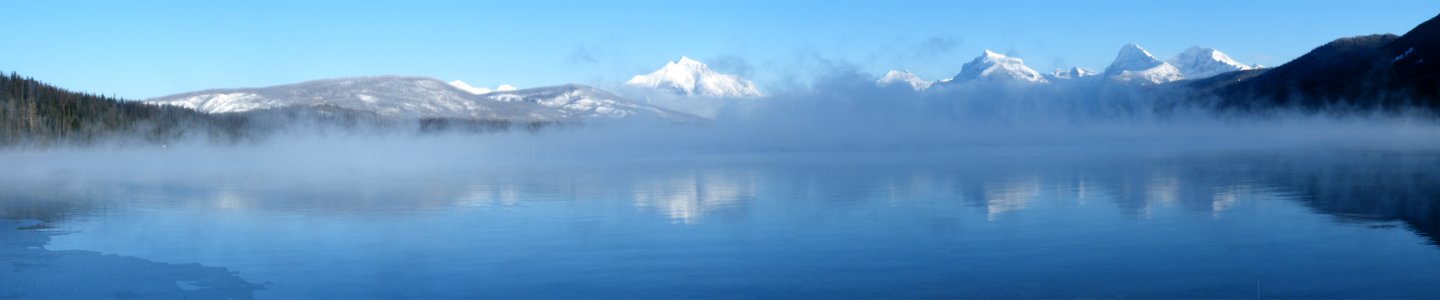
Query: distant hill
x,y
400,97
1372,72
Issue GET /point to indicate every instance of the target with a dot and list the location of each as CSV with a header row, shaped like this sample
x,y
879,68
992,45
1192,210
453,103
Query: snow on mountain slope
x,y
480,90
466,87
579,101
895,77
1072,73
386,96
993,66
1197,63
419,97
1134,64
693,78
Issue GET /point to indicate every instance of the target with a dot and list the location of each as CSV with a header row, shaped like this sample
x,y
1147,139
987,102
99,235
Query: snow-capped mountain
x,y
1072,73
689,77
579,101
1197,62
895,77
420,97
1134,64
991,66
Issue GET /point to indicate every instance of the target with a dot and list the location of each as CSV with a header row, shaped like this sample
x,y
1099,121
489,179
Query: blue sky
x,y
155,48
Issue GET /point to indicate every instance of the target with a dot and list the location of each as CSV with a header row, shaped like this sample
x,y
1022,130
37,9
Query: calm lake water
x,y
1228,224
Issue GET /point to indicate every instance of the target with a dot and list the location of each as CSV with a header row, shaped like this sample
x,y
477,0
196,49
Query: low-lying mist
x,y
843,111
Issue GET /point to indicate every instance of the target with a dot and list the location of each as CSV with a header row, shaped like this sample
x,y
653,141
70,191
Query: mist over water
x,y
969,190
997,222
844,110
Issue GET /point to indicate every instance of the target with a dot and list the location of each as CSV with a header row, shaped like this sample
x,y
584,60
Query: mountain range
x,y
1132,64
421,97
399,97
1364,73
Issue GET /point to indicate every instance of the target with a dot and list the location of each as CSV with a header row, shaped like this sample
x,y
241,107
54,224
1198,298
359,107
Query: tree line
x,y
38,114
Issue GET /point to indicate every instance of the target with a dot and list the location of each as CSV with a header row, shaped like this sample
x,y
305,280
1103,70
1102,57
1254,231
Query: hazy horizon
x,y
171,47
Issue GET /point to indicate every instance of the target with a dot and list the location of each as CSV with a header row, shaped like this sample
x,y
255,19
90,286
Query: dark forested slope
x,y
36,113
1364,73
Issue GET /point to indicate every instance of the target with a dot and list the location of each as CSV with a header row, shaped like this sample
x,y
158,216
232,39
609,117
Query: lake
x,y
1006,223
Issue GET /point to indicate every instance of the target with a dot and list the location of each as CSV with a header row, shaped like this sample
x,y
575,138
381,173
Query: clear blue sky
x,y
154,48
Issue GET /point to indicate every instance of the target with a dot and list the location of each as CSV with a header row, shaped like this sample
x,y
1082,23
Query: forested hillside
x,y
36,113
1363,73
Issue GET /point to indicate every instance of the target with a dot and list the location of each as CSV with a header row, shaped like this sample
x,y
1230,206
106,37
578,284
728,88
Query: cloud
x,y
935,46
583,55
731,64
1057,63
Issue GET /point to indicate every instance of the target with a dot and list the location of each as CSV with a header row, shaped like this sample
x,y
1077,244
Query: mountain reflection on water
x,y
594,217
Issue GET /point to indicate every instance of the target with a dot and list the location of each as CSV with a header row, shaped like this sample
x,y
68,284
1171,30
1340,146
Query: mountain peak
x,y
1200,62
686,61
894,77
689,77
993,66
1134,64
1132,58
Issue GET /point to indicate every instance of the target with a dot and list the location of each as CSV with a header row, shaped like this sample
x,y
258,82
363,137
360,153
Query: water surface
x,y
1230,224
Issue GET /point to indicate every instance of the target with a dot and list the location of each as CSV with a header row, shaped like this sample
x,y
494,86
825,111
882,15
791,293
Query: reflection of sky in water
x,y
769,228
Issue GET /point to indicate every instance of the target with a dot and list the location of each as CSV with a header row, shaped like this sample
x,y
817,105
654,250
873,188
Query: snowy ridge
x,y
480,90
579,101
894,77
991,66
1072,73
388,96
689,77
466,87
1134,64
223,102
1197,62
419,97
